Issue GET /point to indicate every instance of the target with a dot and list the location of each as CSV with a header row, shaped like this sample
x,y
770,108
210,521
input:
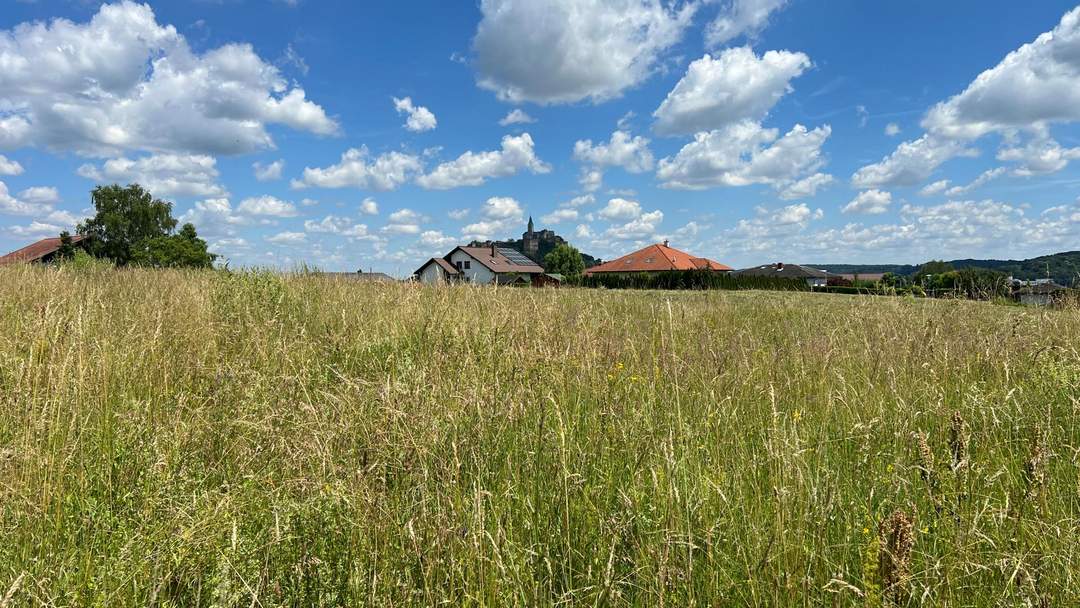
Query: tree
x,y
125,218
182,250
564,260
67,248
133,227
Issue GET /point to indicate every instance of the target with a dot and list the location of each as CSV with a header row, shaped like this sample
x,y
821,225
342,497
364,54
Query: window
x,y
468,264
458,264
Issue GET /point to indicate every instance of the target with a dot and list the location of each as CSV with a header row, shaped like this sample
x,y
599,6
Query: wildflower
x,y
796,415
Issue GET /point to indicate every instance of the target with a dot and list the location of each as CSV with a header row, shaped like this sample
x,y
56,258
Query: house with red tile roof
x,y
41,252
657,258
480,265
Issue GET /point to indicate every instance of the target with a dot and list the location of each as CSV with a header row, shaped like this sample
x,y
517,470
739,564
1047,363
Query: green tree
x,y
125,218
564,260
181,250
67,248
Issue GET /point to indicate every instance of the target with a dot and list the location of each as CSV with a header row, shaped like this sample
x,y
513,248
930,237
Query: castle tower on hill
x,y
530,241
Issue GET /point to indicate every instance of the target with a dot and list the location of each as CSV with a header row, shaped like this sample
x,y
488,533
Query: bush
x,y
689,279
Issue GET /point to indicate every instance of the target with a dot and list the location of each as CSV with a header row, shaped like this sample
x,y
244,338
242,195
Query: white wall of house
x,y
475,272
816,282
432,274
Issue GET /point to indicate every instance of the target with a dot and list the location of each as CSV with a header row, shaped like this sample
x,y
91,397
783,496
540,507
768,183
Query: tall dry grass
x,y
206,439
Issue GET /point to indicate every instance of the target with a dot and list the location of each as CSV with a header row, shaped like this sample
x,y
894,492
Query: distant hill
x,y
1063,267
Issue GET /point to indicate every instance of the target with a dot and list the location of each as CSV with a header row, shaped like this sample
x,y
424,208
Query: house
x,y
657,258
812,276
481,265
1041,294
41,252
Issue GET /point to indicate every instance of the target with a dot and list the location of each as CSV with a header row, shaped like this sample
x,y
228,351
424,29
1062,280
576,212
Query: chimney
x,y
779,265
665,242
492,248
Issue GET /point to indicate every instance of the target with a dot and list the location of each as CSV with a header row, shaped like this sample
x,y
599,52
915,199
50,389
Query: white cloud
x,y
214,217
744,154
563,51
270,172
644,226
161,174
740,18
806,187
1040,156
583,231
517,116
40,195
579,201
473,169
1037,83
911,163
420,118
591,179
9,167
978,182
122,82
871,202
620,209
368,206
458,214
737,85
436,239
935,188
38,229
1032,87
357,169
622,150
500,215
267,206
560,216
330,224
404,221
892,129
287,238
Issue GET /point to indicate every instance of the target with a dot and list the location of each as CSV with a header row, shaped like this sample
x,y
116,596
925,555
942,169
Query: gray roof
x,y
785,271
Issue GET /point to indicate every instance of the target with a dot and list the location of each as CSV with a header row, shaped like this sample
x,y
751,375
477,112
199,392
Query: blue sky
x,y
374,135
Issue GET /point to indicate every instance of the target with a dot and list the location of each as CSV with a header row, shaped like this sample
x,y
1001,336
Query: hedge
x,y
689,279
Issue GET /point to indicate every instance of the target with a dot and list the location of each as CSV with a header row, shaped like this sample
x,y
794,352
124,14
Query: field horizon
x,y
211,438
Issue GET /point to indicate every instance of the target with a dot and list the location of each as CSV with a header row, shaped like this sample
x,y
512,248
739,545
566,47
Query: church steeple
x,y
530,224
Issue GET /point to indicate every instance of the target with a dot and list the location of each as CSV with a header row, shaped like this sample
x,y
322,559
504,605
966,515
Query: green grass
x,y
205,439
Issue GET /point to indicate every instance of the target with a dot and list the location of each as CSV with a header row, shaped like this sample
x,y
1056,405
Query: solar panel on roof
x,y
516,257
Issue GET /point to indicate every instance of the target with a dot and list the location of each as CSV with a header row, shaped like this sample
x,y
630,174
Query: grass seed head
x,y
958,441
894,559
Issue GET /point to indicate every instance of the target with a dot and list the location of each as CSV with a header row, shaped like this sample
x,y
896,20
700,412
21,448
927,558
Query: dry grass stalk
x,y
1035,467
958,442
894,560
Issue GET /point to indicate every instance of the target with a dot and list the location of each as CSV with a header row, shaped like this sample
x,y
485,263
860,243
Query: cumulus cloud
x,y
560,216
978,182
892,129
620,209
268,206
161,174
740,18
419,119
1031,88
404,221
1040,156
475,168
268,172
736,85
644,226
9,167
368,206
287,238
517,116
214,217
358,169
742,154
622,150
38,203
591,179
563,51
500,215
935,188
122,81
806,187
436,239
870,202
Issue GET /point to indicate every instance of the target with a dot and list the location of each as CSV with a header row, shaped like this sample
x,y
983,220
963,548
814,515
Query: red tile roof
x,y
658,258
35,251
498,262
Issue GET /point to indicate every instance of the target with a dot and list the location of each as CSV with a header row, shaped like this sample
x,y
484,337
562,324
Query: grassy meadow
x,y
212,439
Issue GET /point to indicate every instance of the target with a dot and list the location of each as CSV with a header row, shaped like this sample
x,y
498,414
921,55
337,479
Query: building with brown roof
x,y
41,252
658,258
812,276
480,265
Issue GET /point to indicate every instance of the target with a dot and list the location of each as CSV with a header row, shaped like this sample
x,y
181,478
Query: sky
x,y
374,135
